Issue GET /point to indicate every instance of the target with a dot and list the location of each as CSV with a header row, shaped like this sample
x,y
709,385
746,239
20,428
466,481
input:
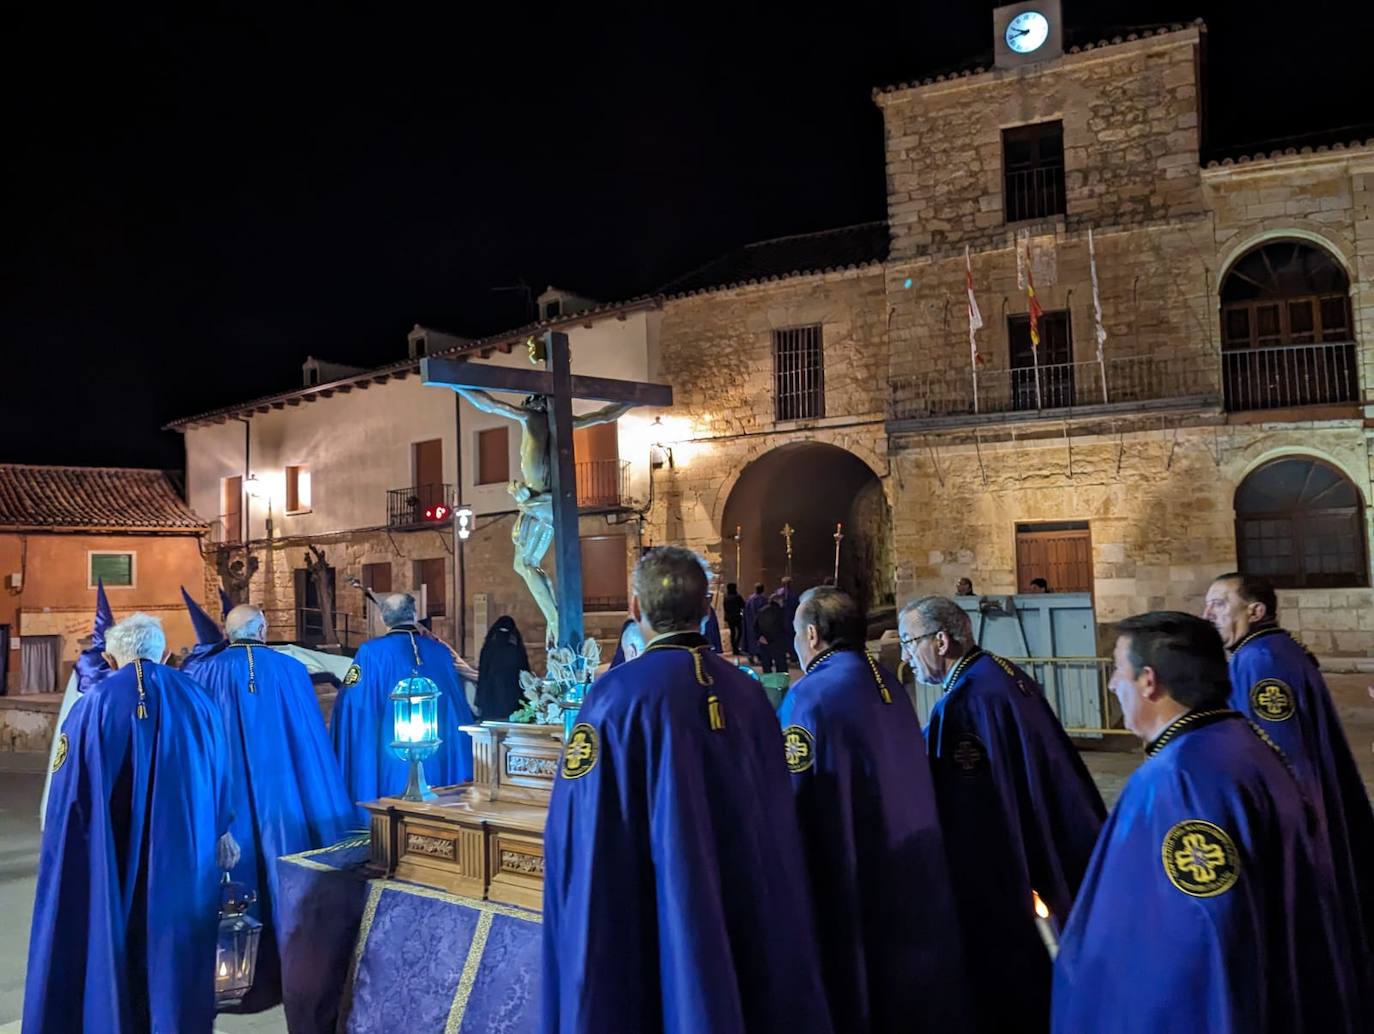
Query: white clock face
x,y
1027,32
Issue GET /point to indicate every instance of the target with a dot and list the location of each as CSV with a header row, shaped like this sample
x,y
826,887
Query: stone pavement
x,y
20,791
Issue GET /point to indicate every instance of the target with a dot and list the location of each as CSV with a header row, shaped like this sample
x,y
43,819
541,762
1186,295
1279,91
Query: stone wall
x,y
1131,134
1158,504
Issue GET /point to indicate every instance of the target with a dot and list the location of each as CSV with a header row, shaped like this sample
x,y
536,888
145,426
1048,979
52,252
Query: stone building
x,y
827,401
1224,425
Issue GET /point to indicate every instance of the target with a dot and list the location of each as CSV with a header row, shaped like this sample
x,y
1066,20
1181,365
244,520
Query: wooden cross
x,y
559,387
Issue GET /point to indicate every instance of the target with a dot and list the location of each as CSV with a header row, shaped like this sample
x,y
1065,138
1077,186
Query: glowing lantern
x,y
415,730
236,950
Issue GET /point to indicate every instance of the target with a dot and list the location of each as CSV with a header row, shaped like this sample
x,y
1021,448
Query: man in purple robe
x,y
752,606
1019,811
888,929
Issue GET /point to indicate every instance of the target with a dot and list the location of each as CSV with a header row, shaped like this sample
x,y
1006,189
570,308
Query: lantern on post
x,y
236,949
415,730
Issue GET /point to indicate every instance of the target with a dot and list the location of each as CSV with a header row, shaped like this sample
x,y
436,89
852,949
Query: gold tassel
x,y
252,676
715,712
878,678
415,647
142,695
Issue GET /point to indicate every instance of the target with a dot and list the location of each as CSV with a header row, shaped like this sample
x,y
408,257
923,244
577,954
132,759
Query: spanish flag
x,y
1033,305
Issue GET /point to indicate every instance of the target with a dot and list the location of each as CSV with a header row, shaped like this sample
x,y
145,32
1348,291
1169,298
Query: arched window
x,y
1300,523
1286,329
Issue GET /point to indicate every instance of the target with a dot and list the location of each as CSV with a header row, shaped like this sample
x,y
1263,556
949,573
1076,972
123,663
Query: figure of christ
x,y
533,494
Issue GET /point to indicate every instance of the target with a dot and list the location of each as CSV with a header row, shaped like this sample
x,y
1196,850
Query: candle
x,y
1045,924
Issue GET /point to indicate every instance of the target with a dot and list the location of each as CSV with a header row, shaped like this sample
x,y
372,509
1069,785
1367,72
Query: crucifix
x,y
787,532
839,534
546,494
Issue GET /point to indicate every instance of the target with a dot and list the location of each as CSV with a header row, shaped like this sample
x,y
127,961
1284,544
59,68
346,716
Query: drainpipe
x,y
460,625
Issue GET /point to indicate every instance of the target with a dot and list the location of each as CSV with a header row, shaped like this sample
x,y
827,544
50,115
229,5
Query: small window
x,y
114,569
493,456
1033,171
1300,524
298,489
312,376
553,308
421,347
798,373
431,574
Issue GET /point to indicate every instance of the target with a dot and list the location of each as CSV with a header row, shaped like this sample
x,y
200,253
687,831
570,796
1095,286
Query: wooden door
x,y
1061,554
429,463
605,575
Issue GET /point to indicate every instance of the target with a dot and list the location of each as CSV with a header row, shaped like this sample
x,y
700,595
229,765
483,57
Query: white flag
x,y
1098,329
975,318
1022,258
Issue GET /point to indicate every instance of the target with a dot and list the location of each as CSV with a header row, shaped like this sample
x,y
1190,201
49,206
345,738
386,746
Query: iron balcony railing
x,y
1120,380
1291,375
1035,193
603,484
419,505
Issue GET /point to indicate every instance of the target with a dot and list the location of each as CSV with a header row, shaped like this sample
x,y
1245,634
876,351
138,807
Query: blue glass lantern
x,y
236,949
415,730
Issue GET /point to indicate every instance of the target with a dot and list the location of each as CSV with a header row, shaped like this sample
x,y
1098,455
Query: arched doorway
x,y
1287,331
810,486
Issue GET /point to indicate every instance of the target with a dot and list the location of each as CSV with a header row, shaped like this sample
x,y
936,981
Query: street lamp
x,y
415,730
464,519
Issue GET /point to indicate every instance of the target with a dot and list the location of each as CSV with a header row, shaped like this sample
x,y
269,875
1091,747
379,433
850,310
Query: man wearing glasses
x,y
1019,810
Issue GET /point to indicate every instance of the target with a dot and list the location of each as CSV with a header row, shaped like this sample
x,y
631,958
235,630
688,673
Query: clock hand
x,y
1021,32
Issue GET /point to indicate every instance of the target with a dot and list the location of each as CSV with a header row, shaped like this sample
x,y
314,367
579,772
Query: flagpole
x,y
975,320
1098,330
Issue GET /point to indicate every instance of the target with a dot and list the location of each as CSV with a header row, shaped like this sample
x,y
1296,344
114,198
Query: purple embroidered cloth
x,y
377,956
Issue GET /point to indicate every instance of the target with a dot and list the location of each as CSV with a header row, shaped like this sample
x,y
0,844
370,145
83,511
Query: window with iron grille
x,y
798,373
1300,524
1033,170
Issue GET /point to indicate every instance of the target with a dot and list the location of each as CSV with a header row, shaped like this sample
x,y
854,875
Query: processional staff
x,y
839,534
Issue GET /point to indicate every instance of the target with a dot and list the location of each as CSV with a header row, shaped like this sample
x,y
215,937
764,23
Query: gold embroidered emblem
x,y
60,758
352,675
1200,859
969,755
799,748
581,752
1272,700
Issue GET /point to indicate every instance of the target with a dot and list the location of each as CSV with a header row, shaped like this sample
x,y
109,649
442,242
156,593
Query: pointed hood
x,y
226,604
207,631
91,665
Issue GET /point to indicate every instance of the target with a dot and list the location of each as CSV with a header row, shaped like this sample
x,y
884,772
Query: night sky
x,y
195,202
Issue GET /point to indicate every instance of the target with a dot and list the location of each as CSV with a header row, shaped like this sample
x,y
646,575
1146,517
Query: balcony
x,y
1290,375
943,397
418,505
603,484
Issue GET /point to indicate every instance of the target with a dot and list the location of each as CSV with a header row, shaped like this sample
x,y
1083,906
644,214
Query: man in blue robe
x,y
675,895
1276,683
1210,903
90,668
362,720
127,905
288,793
1019,811
889,933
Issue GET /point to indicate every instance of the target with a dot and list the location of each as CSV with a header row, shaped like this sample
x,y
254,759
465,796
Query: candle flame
x,y
1041,909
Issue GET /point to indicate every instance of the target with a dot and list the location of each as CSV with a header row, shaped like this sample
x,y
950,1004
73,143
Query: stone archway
x,y
811,486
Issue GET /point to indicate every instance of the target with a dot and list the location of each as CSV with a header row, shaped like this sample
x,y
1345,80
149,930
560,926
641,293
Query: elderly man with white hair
x,y
289,795
137,827
361,724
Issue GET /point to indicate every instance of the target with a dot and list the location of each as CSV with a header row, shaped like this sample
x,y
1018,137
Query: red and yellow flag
x,y
1033,305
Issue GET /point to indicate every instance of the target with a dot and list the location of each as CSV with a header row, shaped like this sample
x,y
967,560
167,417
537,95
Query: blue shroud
x,y
1020,813
1276,683
127,905
362,720
1210,904
675,893
288,793
889,932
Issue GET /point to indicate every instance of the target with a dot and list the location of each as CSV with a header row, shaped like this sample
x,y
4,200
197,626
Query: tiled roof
x,y
105,498
1076,41
1344,138
402,369
850,247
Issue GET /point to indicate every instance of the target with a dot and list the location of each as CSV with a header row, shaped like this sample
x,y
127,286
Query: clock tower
x,y
1027,33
